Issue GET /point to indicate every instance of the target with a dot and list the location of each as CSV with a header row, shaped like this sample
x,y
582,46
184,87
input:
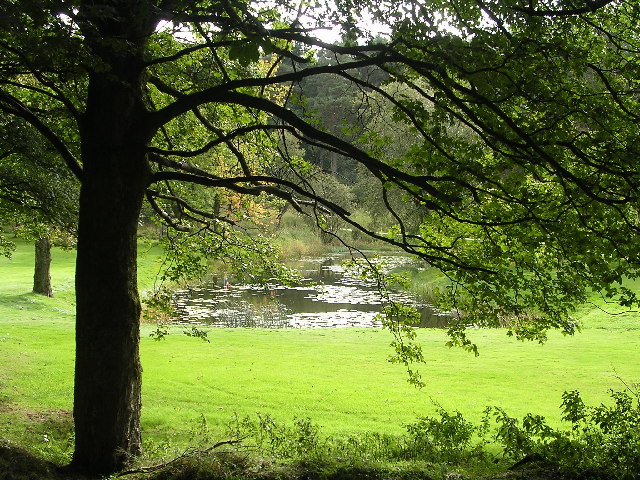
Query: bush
x,y
278,439
603,441
448,438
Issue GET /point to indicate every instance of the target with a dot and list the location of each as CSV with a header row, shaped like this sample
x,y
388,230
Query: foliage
x,y
251,258
6,247
603,440
37,193
300,440
449,438
296,237
398,318
509,171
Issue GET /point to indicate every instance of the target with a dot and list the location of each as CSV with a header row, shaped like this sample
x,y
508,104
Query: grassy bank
x,y
296,237
339,379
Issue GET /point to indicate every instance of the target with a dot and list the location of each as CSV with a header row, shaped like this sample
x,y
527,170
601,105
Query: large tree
x,y
536,203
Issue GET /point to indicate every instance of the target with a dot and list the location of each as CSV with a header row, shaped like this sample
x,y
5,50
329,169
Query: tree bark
x,y
115,176
334,163
42,271
108,371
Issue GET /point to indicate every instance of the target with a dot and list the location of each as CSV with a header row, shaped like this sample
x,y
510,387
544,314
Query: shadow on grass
x,y
47,436
32,303
236,466
19,464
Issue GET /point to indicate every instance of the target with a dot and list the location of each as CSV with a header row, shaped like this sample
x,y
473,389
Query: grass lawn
x,y
338,378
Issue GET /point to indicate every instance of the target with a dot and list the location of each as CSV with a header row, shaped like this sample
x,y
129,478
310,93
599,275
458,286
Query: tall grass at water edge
x,y
296,236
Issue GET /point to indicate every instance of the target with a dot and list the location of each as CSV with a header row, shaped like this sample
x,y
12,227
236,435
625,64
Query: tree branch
x,y
16,107
223,138
162,214
589,7
184,204
186,102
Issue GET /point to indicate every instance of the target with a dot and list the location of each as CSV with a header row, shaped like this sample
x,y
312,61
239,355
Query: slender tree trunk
x,y
108,372
334,163
216,210
42,271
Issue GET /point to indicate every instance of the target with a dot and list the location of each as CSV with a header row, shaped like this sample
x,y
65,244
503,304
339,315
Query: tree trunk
x,y
216,211
42,271
107,370
334,163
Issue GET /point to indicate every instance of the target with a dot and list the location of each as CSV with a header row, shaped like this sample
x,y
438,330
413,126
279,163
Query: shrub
x,y
448,438
603,441
278,439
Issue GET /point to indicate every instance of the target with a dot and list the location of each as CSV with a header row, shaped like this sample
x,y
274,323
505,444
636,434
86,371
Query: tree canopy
x,y
37,192
519,119
38,196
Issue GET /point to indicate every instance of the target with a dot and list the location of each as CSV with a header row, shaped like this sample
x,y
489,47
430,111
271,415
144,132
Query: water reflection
x,y
330,297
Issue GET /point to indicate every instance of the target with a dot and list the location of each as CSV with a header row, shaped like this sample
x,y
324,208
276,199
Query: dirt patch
x,y
49,416
38,416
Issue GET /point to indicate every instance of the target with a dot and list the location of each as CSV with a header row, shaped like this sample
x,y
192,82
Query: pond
x,y
330,296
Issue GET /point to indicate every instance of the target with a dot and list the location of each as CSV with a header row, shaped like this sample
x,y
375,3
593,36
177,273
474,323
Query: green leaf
x,y
245,52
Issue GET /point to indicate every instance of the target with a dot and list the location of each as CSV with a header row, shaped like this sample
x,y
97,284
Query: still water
x,y
330,296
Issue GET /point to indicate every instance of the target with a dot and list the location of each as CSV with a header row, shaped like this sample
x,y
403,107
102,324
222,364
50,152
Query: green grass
x,y
340,378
